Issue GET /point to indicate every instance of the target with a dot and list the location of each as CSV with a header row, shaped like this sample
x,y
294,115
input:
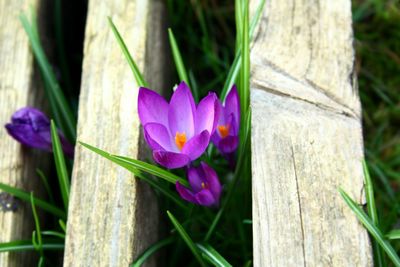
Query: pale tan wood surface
x,y
112,217
18,88
306,137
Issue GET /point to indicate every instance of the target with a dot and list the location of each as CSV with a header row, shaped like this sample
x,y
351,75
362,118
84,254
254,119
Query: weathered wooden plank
x,y
306,137
112,217
18,88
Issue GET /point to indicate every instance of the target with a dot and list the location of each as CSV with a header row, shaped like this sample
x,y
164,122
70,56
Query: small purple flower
x,y
31,127
226,136
178,132
205,186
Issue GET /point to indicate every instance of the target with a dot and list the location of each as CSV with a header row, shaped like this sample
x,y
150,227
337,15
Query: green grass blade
x,y
38,202
135,70
125,163
213,255
189,242
370,195
239,22
384,180
162,189
37,233
140,165
46,185
379,259
241,153
247,221
372,229
151,250
235,67
394,234
244,89
62,225
256,17
58,104
232,75
41,261
180,67
154,170
24,245
61,168
54,233
166,191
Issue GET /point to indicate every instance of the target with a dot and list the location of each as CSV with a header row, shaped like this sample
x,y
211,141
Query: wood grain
x,y
112,216
18,88
306,137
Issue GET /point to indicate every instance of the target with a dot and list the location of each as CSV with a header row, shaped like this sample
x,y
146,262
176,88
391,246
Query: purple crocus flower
x,y
31,127
205,187
178,132
226,137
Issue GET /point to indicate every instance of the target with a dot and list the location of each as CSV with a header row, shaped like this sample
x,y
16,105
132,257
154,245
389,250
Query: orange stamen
x,y
180,140
204,185
223,130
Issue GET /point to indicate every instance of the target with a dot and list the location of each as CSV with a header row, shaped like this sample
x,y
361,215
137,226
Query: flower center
x,y
204,185
223,130
180,140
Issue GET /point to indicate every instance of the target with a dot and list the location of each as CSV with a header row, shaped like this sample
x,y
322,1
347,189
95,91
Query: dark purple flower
x,y
226,136
178,132
31,127
205,187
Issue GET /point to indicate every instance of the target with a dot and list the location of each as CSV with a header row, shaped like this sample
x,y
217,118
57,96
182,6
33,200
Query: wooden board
x,y
18,88
113,217
306,137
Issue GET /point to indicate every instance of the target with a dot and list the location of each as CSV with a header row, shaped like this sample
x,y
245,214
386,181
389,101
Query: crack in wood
x,y
299,203
320,106
309,84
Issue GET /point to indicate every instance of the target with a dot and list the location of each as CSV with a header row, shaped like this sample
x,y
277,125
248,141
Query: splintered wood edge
x,y
306,138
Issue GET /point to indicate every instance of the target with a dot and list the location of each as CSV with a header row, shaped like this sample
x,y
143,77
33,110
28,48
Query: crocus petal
x,y
196,145
27,136
215,138
228,144
182,111
232,104
171,160
157,136
233,130
234,126
206,198
206,114
185,193
31,127
152,107
196,177
221,113
212,180
32,116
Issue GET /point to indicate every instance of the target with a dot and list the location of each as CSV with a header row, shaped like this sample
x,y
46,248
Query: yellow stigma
x,y
223,130
204,185
180,140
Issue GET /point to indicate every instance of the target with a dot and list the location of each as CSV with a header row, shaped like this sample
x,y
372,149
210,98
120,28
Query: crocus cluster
x,y
180,131
31,127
